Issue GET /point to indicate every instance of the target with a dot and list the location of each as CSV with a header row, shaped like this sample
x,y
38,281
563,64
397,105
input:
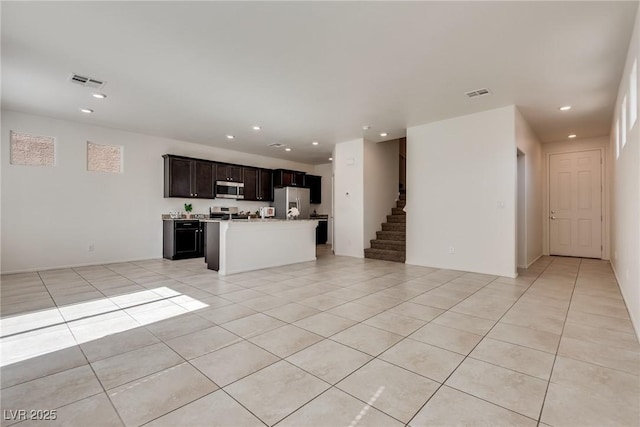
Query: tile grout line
x,y
555,357
326,311
465,358
322,311
375,357
298,367
95,375
362,321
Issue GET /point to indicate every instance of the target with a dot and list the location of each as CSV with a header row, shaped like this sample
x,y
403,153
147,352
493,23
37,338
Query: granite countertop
x,y
257,220
167,217
203,217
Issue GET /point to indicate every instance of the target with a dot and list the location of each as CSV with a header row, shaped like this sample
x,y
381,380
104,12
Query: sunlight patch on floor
x,y
34,334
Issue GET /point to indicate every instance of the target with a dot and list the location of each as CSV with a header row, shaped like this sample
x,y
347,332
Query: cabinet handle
x,y
196,194
191,194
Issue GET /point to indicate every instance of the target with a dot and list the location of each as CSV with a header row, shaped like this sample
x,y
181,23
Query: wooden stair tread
x,y
385,254
390,243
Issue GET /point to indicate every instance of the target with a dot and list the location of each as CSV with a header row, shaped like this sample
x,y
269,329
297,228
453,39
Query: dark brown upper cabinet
x,y
203,183
250,183
257,184
265,184
226,172
288,178
188,178
314,184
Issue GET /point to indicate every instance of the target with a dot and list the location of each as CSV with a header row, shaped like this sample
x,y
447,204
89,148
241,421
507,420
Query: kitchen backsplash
x,y
201,206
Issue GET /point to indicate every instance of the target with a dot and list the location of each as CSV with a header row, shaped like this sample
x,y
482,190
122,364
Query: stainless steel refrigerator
x,y
292,197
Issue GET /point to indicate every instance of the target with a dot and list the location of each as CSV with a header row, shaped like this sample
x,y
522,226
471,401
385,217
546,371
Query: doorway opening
x,y
402,167
521,212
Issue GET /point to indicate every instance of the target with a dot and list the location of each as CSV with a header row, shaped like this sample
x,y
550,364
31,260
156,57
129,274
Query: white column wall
x,y
348,164
462,176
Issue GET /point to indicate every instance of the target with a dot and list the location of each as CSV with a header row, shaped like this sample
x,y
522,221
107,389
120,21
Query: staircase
x,y
391,241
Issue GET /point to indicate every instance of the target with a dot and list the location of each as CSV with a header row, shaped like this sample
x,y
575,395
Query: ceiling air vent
x,y
478,92
276,145
86,81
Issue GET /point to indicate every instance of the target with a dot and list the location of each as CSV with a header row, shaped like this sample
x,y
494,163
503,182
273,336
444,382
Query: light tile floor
x,y
338,341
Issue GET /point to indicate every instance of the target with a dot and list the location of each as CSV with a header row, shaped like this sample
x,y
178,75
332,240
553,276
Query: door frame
x,y
521,209
604,207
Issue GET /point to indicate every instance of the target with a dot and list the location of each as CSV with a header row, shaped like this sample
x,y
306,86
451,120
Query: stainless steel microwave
x,y
229,190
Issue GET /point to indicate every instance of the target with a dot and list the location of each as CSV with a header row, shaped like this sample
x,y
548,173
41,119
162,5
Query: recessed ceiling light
x,y
365,127
86,110
315,143
257,128
565,108
99,95
287,149
573,135
383,134
330,158
230,136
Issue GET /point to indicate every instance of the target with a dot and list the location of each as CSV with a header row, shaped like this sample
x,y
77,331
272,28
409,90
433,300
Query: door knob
x,y
552,212
552,217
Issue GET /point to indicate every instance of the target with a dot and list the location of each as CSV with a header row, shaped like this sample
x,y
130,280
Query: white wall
x,y
348,164
325,208
625,206
50,216
529,144
578,144
381,171
462,176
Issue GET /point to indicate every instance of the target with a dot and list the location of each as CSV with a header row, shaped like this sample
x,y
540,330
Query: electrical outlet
x,y
91,247
452,250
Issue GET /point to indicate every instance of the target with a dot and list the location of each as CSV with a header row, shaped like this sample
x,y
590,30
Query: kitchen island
x,y
235,246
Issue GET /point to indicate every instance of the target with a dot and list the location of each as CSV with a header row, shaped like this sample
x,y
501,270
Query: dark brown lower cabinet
x,y
322,232
182,239
212,245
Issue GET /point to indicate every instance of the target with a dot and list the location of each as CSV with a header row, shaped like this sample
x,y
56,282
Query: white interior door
x,y
575,204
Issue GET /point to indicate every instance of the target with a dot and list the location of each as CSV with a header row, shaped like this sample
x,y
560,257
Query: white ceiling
x,y
314,71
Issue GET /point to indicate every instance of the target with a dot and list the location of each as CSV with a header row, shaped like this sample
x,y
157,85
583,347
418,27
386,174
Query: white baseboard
x,y
534,260
59,267
634,321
